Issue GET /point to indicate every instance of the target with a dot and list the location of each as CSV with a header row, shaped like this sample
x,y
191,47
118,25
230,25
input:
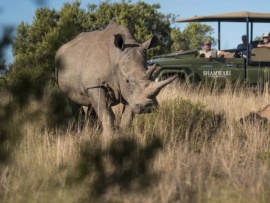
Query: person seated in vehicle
x,y
242,48
207,52
245,44
266,42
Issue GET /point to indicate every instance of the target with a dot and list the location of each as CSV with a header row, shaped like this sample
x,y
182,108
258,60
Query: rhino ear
x,y
151,43
119,41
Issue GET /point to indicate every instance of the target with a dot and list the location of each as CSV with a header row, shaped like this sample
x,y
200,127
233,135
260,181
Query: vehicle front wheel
x,y
261,85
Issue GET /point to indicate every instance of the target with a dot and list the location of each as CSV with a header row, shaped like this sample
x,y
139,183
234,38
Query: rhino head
x,y
135,85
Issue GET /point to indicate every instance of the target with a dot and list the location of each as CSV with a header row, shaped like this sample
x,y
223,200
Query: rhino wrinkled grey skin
x,y
101,69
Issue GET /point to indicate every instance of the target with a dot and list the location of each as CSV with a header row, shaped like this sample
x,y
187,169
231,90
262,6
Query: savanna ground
x,y
191,149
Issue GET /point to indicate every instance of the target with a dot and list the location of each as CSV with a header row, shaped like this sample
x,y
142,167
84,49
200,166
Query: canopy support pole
x,y
248,50
251,32
218,35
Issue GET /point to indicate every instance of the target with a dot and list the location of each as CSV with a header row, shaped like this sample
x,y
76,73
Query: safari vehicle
x,y
255,68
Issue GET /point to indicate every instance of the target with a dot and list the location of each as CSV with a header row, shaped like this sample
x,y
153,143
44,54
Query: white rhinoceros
x,y
105,68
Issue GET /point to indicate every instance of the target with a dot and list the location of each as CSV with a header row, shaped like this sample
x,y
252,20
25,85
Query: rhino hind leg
x,y
78,113
92,116
84,116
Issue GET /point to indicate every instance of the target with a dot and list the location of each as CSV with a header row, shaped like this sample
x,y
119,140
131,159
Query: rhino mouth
x,y
144,108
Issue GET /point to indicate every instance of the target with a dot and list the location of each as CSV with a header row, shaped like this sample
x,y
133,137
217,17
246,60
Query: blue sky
x,y
13,12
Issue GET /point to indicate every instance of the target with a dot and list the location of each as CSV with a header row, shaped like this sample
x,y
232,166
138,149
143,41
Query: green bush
x,y
24,83
183,120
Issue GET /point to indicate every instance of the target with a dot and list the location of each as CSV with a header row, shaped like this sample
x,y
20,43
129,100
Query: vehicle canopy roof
x,y
243,16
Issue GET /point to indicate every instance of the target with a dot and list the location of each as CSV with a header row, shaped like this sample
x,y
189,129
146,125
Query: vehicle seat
x,y
260,54
255,43
229,55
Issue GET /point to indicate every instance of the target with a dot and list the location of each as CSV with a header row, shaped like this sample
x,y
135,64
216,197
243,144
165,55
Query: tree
x,y
142,19
257,38
10,130
2,72
5,41
35,45
192,37
176,43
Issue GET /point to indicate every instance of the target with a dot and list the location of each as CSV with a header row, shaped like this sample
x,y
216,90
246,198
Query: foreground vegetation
x,y
191,149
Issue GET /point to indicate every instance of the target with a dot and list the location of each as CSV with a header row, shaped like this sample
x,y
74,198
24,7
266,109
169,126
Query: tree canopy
x,y
192,37
35,45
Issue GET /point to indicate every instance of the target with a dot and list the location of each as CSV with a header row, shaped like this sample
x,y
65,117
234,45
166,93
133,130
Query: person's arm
x,y
263,45
221,53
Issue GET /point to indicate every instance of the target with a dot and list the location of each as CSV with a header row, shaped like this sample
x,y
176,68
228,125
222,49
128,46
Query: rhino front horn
x,y
154,88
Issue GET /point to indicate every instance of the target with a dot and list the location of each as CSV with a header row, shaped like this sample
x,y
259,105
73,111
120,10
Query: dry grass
x,y
160,159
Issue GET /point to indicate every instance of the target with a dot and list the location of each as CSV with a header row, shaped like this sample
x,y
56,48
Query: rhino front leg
x,y
104,111
127,117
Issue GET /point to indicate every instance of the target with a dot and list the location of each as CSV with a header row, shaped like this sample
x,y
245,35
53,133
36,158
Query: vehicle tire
x,y
261,84
187,79
266,86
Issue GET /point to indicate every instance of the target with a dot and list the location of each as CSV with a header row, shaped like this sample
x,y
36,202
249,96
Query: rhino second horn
x,y
149,72
154,88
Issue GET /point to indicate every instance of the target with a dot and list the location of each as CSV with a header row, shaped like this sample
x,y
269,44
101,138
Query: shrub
x,y
182,120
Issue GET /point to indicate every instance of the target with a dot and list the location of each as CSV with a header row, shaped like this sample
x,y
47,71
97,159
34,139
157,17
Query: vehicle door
x,y
221,69
257,73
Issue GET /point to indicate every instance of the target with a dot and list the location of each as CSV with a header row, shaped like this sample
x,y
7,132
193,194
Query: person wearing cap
x,y
207,52
265,42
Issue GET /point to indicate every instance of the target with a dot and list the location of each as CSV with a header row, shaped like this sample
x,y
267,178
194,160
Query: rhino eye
x,y
127,81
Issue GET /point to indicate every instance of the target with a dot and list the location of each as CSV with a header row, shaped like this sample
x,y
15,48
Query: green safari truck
x,y
252,67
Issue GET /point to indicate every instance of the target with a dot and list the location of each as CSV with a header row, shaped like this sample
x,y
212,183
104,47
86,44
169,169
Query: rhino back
x,y
85,62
